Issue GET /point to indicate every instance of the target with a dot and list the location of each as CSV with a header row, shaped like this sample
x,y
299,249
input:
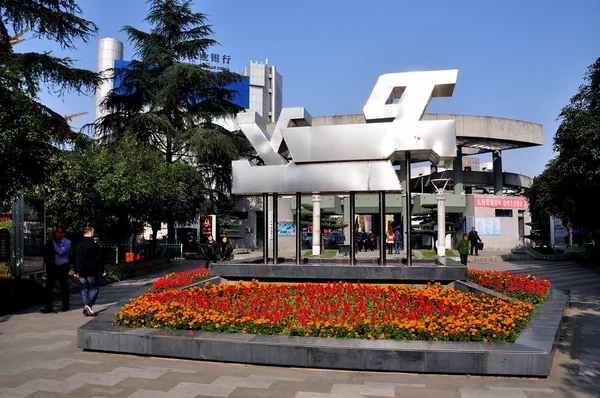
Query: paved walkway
x,y
39,358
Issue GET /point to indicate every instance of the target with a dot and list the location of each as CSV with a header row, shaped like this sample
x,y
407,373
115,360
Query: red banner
x,y
501,203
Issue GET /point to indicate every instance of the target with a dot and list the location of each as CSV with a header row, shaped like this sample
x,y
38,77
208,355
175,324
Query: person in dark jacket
x,y
226,249
212,248
56,258
474,239
89,269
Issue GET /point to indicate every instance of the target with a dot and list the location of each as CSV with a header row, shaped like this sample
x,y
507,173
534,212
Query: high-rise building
x,y
266,96
109,51
259,91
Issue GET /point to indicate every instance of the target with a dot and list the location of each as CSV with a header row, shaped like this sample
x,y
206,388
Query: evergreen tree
x,y
427,223
29,130
329,220
229,225
170,98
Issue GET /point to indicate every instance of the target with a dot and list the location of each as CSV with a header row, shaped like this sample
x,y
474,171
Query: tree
x,y
428,222
229,225
119,189
568,184
329,220
170,99
30,131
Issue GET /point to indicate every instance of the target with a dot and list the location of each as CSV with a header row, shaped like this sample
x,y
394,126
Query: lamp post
x,y
440,187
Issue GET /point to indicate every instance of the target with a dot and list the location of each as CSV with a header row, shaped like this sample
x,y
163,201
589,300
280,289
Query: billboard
x,y
29,235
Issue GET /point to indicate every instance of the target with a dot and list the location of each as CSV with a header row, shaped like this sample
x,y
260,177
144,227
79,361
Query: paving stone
x,y
32,335
401,385
100,379
248,382
15,392
358,389
207,390
59,363
532,389
477,393
62,386
159,394
36,348
302,394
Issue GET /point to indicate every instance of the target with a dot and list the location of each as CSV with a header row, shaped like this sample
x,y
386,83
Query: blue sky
x,y
516,59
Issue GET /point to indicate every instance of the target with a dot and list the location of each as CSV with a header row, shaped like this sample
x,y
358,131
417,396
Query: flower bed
x,y
528,288
343,310
178,279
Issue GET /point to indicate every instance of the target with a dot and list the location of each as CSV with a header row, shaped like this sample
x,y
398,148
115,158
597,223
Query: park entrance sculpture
x,y
299,158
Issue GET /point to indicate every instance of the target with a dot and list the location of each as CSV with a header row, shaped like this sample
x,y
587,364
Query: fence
x,y
127,254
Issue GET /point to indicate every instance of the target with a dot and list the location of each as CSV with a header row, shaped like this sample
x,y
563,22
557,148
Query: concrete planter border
x,y
531,355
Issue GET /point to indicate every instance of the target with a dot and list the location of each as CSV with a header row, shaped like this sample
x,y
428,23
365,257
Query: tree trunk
x,y
171,230
155,228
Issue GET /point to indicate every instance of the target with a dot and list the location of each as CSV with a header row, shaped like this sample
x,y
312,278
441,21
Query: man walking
x,y
56,258
89,269
474,239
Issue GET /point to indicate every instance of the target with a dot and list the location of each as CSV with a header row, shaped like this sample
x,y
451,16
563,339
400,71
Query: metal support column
x,y
352,228
266,228
275,215
498,174
407,210
382,228
457,174
298,228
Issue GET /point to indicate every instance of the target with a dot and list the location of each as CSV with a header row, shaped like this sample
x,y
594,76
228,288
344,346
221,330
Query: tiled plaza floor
x,y
39,358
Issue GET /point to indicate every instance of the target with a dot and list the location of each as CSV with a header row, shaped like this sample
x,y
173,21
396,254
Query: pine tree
x,y
329,220
170,98
229,226
29,130
428,221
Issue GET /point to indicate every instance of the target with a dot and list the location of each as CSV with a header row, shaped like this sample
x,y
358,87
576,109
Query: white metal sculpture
x,y
299,157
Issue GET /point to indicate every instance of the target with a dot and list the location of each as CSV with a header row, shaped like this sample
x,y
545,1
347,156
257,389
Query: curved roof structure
x,y
476,134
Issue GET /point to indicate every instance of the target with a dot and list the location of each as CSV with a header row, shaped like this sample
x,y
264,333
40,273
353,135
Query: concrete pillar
x,y
458,171
441,223
498,176
316,236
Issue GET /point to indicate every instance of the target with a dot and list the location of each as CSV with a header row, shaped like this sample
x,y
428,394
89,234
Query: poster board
x,y
286,228
489,226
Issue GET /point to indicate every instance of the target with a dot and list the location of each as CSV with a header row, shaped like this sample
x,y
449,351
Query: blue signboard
x,y
242,87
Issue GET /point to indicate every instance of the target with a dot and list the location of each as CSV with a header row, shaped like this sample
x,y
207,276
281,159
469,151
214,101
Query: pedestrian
x,y
226,249
88,270
56,258
371,241
463,249
211,250
474,239
397,240
389,240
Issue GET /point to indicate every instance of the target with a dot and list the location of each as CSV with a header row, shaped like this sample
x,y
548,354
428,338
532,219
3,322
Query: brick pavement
x,y
39,358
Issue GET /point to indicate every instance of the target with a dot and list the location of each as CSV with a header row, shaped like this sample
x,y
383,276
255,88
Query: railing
x,y
126,254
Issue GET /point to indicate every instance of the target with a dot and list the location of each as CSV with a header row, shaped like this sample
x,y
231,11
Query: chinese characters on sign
x,y
504,203
217,61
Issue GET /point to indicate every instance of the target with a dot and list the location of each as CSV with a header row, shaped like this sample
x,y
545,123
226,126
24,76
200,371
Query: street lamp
x,y
440,187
